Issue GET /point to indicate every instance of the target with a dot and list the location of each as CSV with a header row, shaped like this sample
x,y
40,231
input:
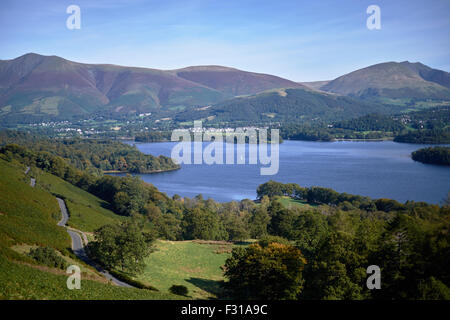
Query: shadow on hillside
x,y
211,286
106,205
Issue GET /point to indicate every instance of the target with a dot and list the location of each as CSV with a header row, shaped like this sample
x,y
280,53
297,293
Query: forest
x,y
422,127
96,156
288,105
433,155
371,122
425,136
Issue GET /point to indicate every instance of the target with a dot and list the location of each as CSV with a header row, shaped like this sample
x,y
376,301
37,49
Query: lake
x,y
375,169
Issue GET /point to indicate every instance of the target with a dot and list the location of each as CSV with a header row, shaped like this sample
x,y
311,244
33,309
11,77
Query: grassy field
x,y
194,264
87,212
289,202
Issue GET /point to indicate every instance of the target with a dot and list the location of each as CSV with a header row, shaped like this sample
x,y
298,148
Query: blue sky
x,y
299,40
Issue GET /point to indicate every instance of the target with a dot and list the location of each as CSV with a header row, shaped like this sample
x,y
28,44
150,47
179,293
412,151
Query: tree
x,y
247,205
311,229
166,226
433,289
336,271
265,202
121,203
201,223
137,192
134,246
273,272
413,251
282,220
387,205
322,195
270,189
299,193
121,246
258,223
235,226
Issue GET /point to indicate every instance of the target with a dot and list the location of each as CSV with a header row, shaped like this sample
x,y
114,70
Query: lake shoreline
x,y
377,169
332,140
368,140
149,172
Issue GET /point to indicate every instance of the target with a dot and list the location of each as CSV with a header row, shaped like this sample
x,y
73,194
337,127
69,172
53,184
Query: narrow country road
x,y
78,247
65,215
77,242
32,181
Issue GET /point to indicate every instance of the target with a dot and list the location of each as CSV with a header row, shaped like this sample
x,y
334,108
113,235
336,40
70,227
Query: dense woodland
x,y
433,155
371,122
324,241
432,118
427,126
92,155
291,105
153,136
425,136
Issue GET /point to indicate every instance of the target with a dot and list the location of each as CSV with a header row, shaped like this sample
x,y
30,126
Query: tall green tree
x,y
273,272
258,223
122,246
201,223
282,221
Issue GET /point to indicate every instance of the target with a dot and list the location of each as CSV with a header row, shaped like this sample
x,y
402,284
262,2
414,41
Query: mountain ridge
x,y
36,84
34,87
393,80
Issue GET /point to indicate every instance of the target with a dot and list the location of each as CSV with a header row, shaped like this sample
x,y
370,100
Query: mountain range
x,y
34,84
35,87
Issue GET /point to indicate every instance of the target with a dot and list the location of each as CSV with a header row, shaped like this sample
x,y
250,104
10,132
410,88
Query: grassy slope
x,y
289,202
24,282
28,216
87,212
192,264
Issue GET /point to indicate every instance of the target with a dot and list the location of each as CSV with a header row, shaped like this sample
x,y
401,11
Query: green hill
x,y
394,82
28,218
86,211
286,105
27,215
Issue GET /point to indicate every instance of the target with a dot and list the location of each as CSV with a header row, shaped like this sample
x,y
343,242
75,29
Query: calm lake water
x,y
374,169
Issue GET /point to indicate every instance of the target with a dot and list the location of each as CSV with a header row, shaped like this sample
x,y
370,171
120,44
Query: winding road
x,y
78,246
32,180
77,242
